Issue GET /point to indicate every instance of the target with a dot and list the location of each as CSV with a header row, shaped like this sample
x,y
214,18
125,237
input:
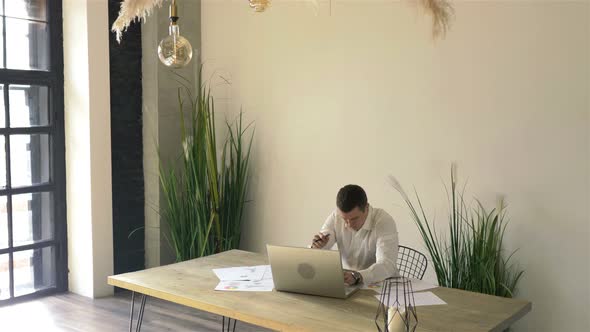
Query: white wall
x,y
88,146
365,92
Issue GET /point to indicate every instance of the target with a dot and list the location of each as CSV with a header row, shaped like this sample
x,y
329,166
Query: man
x,y
366,237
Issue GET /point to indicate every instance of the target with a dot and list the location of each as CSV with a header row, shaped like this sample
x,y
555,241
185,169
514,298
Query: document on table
x,y
376,286
267,272
246,279
263,285
241,273
425,298
417,285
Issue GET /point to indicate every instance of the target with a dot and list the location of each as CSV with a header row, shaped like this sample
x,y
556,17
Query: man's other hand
x,y
320,240
349,278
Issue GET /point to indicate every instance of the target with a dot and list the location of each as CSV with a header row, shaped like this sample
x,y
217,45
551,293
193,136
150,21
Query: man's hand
x,y
349,278
320,240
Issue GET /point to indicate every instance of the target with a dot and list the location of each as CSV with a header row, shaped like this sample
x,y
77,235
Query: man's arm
x,y
386,253
327,232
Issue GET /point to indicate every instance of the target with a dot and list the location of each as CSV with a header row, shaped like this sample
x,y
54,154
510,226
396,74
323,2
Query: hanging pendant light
x,y
175,51
259,5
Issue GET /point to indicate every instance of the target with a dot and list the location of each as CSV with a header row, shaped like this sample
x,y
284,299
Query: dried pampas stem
x,y
441,11
132,10
259,5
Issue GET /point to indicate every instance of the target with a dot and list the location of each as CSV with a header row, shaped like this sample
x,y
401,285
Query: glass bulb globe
x,y
175,51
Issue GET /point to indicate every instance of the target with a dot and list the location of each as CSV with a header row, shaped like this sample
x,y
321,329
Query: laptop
x,y
308,271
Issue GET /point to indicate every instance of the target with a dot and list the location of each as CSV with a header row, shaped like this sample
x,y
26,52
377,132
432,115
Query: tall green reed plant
x,y
205,197
471,256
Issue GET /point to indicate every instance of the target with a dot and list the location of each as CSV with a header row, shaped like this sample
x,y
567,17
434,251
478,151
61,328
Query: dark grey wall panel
x,y
127,147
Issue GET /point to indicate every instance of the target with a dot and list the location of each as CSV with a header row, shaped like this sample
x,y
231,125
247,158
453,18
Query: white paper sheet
x,y
264,285
417,285
241,273
376,286
267,273
425,298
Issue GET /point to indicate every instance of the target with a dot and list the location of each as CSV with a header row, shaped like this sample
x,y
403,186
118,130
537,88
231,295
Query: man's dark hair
x,y
351,196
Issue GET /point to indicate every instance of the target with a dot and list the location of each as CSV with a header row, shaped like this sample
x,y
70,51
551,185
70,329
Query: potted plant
x,y
204,196
471,256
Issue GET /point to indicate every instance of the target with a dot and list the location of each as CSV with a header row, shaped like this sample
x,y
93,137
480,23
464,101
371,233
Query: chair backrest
x,y
411,263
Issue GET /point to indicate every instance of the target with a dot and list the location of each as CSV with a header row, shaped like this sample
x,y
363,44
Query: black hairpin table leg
x,y
139,315
228,324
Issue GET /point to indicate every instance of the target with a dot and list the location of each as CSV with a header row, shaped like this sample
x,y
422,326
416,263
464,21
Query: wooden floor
x,y
70,312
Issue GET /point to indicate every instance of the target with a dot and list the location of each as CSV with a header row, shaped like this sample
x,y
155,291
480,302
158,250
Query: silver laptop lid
x,y
307,271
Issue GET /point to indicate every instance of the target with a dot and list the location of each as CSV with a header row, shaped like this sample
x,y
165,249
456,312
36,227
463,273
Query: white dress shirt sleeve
x,y
385,265
328,228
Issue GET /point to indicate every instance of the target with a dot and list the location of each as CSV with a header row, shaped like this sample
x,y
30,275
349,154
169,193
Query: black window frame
x,y
54,80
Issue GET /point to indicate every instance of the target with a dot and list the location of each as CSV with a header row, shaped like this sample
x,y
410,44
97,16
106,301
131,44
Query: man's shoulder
x,y
382,217
380,213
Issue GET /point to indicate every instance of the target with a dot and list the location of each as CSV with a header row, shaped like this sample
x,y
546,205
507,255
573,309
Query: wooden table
x,y
191,283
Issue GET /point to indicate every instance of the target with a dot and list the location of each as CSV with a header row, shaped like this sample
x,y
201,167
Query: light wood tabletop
x,y
192,284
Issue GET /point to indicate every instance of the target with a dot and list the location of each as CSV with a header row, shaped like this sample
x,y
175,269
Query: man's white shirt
x,y
372,250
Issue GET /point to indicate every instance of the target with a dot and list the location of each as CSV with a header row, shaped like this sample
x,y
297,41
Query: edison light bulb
x,y
175,51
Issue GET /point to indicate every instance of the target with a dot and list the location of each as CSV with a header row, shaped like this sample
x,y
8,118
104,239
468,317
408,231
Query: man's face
x,y
355,218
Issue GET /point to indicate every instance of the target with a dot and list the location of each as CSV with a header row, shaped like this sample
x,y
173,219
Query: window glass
x,y
29,105
29,159
4,277
32,218
3,162
27,44
2,107
27,9
33,270
3,223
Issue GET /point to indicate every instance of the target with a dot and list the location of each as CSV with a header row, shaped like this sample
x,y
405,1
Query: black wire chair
x,y
411,263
